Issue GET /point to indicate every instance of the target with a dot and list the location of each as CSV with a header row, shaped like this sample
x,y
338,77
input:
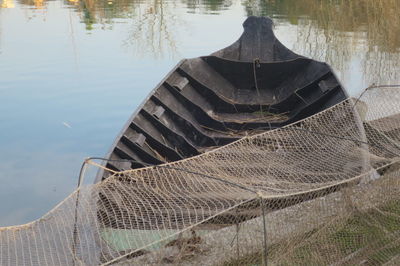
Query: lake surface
x,y
73,71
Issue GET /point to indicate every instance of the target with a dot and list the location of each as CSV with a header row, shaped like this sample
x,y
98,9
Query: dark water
x,y
72,72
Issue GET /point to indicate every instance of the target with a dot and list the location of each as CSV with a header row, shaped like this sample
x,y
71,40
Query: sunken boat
x,y
255,84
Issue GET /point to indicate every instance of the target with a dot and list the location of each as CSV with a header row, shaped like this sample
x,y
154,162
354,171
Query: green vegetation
x,y
370,237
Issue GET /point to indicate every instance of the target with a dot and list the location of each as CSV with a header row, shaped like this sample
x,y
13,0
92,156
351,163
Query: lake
x,y
73,71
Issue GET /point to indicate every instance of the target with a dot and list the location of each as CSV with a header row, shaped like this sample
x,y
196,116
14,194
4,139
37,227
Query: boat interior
x,y
254,85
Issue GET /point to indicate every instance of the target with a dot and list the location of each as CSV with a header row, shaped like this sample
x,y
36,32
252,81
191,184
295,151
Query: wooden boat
x,y
253,85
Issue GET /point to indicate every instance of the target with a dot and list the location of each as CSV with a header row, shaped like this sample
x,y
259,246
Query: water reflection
x,y
155,30
379,20
341,31
333,31
38,4
103,12
154,24
207,6
7,4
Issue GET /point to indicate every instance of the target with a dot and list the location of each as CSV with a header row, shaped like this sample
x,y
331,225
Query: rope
x,y
373,86
256,63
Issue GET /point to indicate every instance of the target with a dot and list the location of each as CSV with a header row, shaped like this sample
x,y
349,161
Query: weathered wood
x,y
254,85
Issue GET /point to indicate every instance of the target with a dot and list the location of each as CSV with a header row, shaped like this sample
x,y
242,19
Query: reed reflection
x,y
154,24
207,6
337,32
340,31
34,4
154,28
7,4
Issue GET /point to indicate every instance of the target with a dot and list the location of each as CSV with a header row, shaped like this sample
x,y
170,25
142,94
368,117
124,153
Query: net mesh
x,y
322,191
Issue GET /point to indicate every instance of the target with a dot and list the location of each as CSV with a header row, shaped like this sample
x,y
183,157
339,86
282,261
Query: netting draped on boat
x,y
322,191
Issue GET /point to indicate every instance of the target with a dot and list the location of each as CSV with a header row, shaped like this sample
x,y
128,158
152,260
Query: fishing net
x,y
322,191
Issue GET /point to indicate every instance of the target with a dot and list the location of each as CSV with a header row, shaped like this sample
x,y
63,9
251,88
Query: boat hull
x,y
254,85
